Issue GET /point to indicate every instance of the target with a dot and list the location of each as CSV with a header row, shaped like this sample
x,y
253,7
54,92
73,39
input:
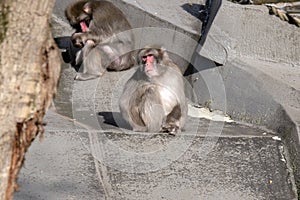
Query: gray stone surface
x,y
249,31
59,166
74,163
88,152
260,71
226,172
91,155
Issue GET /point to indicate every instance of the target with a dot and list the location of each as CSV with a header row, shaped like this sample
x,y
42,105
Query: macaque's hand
x,y
78,39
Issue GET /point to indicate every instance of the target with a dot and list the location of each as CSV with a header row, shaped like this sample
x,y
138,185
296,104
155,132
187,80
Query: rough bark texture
x,y
29,72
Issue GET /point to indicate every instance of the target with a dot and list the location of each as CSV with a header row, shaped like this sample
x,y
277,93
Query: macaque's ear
x,y
139,56
87,8
163,55
162,49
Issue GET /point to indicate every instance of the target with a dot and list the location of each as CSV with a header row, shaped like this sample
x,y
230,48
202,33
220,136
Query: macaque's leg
x,y
125,61
92,62
172,123
79,58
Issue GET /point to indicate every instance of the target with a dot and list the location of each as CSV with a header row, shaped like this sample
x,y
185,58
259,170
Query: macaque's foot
x,y
172,130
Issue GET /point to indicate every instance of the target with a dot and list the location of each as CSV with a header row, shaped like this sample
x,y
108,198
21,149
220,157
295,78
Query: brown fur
x,y
103,20
155,102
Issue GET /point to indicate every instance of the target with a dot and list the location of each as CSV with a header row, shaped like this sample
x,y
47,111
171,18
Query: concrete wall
x,y
249,31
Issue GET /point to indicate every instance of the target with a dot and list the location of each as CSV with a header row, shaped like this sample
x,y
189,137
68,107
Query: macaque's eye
x,y
78,19
144,58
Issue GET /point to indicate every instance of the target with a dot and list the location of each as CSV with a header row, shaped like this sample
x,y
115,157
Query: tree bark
x,y
29,72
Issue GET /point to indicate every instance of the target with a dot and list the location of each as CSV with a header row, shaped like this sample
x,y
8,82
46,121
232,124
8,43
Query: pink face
x,y
84,27
149,60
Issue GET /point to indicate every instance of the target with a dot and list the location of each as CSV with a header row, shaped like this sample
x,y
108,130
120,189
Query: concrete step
x,y
72,162
87,153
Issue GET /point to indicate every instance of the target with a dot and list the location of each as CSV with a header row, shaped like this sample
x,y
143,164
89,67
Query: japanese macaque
x,y
153,99
105,36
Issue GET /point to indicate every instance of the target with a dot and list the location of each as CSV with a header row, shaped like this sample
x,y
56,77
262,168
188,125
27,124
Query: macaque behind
x,y
153,99
103,32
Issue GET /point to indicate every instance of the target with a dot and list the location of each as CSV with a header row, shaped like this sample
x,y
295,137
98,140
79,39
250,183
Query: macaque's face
x,y
149,58
79,16
149,61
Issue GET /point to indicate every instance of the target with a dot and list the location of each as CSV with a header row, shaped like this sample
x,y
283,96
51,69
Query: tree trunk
x,y
29,72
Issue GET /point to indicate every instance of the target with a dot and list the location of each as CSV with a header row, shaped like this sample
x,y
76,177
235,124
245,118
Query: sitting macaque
x,y
153,99
104,34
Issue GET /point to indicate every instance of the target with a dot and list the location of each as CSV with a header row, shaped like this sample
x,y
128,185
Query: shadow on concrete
x,y
109,118
114,119
197,10
200,63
